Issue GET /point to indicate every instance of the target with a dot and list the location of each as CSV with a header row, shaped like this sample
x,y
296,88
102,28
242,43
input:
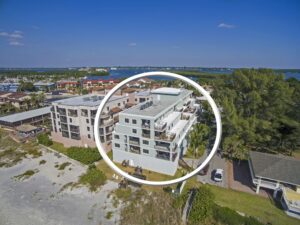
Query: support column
x,y
258,186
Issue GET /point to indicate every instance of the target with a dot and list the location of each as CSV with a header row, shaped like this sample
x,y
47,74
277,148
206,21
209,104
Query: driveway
x,y
216,163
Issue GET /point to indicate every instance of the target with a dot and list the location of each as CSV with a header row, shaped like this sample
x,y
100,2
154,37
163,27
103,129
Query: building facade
x,y
154,133
73,119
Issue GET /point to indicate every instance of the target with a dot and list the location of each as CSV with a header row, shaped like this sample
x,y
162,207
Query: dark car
x,y
204,171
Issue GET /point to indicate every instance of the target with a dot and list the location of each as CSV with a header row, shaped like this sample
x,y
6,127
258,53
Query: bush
x,y
202,206
44,139
94,178
84,155
228,216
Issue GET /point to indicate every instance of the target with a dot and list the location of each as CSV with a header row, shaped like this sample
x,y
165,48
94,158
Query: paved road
x,y
216,163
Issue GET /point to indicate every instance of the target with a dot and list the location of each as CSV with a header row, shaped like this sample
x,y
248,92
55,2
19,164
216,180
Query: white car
x,y
218,176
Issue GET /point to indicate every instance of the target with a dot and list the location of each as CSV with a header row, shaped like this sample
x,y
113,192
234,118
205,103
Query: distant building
x,y
19,100
279,173
9,86
140,83
95,81
73,119
154,133
33,117
45,86
67,84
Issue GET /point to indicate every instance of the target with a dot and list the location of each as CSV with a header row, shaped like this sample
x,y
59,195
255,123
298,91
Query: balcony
x,y
146,133
146,124
134,149
109,130
160,126
84,112
169,137
74,129
185,116
163,155
134,141
190,109
63,119
72,113
75,136
162,146
62,111
108,122
105,115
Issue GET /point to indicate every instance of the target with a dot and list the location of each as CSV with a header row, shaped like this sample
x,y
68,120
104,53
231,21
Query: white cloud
x,y
15,43
3,34
132,44
13,38
226,26
35,27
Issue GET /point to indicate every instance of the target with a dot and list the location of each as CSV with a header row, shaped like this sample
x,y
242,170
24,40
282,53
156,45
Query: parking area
x,y
217,162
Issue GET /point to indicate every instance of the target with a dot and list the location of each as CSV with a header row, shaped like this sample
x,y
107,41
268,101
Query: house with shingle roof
x,y
279,173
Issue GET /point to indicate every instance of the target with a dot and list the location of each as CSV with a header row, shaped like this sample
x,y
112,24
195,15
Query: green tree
x,y
258,112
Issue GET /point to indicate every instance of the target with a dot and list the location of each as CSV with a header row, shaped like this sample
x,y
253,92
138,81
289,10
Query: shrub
x,y
202,206
94,178
84,155
44,139
228,216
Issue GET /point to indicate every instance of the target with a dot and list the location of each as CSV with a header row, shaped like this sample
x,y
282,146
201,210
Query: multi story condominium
x,y
154,133
73,119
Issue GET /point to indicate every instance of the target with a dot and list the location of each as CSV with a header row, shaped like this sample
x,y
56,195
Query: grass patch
x,y
26,174
42,162
94,178
84,155
109,215
252,205
63,165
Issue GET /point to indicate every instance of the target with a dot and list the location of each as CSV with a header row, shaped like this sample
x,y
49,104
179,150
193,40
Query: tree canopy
x,y
260,111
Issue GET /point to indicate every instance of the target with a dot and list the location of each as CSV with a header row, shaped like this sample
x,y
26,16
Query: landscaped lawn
x,y
261,208
59,147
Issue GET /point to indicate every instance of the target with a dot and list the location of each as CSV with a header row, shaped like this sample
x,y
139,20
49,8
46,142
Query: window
x,y
107,108
117,145
146,151
134,131
145,142
117,136
119,104
134,121
70,120
126,120
127,100
88,128
58,123
89,136
57,115
87,120
59,130
135,99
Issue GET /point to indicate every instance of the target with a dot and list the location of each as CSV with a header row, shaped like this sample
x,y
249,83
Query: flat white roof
x,y
25,115
166,90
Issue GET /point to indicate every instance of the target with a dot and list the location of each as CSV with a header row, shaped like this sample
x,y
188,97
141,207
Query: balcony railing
x,y
133,142
146,135
166,137
135,150
107,122
160,126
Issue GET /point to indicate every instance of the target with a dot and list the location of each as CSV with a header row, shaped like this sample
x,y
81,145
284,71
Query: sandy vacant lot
x,y
41,199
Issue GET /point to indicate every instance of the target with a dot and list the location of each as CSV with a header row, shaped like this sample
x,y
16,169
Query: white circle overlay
x,y
167,182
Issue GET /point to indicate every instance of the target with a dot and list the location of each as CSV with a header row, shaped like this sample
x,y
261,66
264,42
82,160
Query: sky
x,y
231,33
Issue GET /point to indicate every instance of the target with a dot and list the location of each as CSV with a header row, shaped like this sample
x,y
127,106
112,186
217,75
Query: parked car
x,y
204,171
218,175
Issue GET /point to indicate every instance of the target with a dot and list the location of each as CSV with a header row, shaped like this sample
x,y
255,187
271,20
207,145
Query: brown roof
x,y
116,110
17,95
129,90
